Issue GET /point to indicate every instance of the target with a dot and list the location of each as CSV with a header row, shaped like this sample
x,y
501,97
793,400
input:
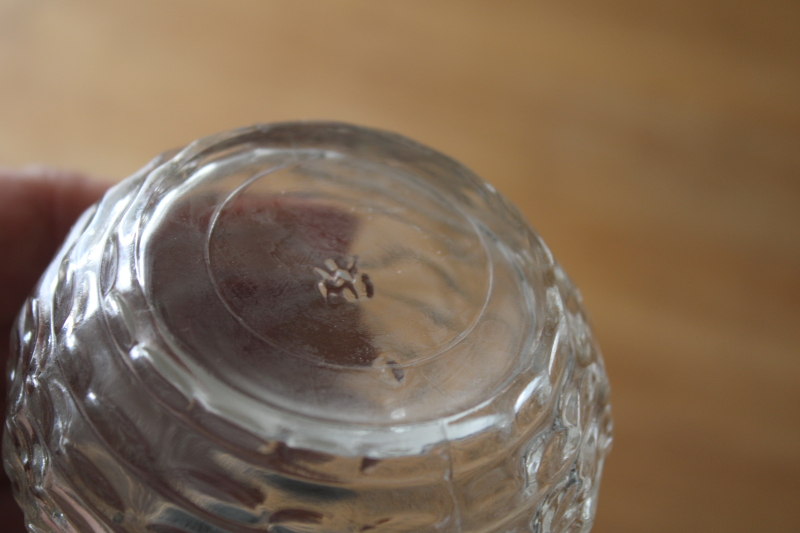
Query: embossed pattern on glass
x,y
305,327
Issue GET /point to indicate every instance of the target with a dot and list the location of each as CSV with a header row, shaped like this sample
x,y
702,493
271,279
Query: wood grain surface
x,y
654,145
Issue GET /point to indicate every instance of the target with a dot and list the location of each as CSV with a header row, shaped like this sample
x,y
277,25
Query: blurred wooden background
x,y
654,145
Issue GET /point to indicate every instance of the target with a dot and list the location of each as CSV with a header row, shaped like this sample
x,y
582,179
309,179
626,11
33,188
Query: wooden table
x,y
655,146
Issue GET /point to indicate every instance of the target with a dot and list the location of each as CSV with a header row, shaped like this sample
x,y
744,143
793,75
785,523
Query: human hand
x,y
37,208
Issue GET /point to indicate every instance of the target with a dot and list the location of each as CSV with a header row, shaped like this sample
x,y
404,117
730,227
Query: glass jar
x,y
305,327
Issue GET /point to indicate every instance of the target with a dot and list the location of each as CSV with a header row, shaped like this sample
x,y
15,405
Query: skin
x,y
37,208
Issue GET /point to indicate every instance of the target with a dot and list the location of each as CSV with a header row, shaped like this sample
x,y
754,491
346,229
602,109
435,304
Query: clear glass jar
x,y
305,327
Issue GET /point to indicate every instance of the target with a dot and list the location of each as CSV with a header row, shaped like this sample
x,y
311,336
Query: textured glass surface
x,y
306,327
